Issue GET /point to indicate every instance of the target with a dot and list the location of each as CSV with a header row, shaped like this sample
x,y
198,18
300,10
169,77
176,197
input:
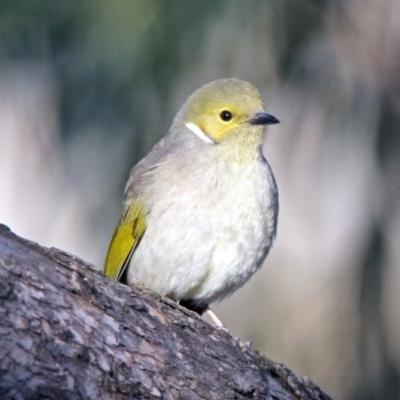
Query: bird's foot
x,y
215,320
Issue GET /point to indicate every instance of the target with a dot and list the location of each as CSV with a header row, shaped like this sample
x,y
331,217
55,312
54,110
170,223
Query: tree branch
x,y
68,332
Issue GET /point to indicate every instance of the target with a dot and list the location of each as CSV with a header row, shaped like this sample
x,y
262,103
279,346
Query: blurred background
x,y
87,87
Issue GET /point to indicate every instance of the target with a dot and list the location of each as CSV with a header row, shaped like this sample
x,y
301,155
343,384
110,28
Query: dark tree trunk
x,y
68,332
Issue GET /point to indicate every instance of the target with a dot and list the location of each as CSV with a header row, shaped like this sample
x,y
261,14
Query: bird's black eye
x,y
226,115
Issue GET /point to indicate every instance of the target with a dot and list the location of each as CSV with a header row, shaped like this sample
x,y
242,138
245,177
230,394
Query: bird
x,y
200,211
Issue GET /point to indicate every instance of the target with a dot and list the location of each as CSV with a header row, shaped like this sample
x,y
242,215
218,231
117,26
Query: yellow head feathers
x,y
218,109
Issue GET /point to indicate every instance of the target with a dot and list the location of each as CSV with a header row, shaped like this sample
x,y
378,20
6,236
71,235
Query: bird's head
x,y
222,108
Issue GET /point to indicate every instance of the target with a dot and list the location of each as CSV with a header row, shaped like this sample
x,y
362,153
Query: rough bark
x,y
68,332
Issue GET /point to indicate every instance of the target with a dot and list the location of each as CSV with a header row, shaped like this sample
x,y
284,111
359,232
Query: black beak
x,y
262,118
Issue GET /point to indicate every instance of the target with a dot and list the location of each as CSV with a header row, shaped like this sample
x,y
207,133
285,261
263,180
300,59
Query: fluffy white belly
x,y
206,243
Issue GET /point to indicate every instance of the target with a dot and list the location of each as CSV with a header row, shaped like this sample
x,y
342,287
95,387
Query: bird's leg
x,y
192,305
215,320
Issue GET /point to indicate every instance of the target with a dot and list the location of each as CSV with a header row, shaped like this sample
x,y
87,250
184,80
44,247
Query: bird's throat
x,y
242,148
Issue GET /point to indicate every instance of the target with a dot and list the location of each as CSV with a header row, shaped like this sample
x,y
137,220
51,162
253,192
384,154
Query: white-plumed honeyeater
x,y
200,210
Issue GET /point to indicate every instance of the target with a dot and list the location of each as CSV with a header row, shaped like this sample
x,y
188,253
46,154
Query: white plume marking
x,y
198,132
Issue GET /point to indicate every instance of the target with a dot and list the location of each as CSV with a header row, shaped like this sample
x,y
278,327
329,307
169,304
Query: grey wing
x,y
159,151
